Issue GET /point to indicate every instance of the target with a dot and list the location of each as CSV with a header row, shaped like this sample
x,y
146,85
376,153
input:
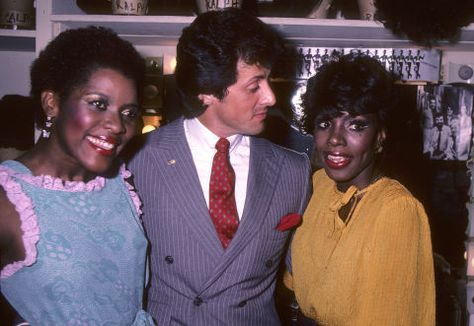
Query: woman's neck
x,y
42,159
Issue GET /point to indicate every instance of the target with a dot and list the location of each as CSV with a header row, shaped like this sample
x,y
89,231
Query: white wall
x,y
15,72
452,59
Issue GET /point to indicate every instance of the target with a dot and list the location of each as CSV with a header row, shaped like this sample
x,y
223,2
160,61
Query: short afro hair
x,y
73,56
354,83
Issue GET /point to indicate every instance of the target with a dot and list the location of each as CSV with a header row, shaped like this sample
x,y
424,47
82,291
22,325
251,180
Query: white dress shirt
x,y
202,143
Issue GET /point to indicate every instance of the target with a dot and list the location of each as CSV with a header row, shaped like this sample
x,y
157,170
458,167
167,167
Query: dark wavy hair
x,y
425,22
73,56
209,49
354,83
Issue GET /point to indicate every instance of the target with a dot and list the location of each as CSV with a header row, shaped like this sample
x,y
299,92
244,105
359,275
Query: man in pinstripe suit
x,y
223,65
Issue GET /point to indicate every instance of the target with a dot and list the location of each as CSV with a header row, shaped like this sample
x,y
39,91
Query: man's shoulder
x,y
280,151
164,137
165,133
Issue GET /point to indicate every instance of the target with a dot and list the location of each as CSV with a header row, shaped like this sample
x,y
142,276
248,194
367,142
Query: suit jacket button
x,y
169,259
197,301
269,263
242,304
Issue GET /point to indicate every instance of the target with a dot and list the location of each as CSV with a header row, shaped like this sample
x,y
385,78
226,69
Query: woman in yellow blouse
x,y
362,255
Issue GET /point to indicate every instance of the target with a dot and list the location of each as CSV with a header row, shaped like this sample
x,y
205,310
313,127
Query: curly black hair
x,y
73,56
209,49
354,83
425,22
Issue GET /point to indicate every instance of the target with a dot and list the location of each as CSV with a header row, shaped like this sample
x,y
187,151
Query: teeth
x,y
336,159
100,143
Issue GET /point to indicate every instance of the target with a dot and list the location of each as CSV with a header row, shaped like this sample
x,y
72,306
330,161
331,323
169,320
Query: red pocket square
x,y
288,221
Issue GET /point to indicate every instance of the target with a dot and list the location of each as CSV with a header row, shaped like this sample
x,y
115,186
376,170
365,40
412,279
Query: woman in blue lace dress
x,y
72,246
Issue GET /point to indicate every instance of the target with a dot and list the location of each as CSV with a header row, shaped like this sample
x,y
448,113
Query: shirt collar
x,y
206,138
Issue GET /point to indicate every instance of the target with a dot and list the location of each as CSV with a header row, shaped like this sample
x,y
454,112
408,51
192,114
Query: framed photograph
x,y
446,112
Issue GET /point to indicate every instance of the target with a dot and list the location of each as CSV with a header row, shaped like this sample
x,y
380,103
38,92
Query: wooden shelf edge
x,y
20,33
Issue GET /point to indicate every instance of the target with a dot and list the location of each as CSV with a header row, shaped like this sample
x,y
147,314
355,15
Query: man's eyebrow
x,y
256,78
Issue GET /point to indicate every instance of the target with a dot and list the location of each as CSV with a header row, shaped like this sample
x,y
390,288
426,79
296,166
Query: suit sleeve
x,y
141,167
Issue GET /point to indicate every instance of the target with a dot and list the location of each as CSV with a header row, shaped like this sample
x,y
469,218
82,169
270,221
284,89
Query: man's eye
x,y
255,89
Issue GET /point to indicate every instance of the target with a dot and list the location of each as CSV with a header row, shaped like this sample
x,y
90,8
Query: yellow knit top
x,y
374,269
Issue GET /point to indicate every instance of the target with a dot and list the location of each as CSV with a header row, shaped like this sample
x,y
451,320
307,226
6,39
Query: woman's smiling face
x,y
97,120
346,146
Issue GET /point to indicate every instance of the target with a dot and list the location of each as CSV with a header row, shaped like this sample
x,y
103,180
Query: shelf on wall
x,y
140,30
353,33
165,30
336,32
20,33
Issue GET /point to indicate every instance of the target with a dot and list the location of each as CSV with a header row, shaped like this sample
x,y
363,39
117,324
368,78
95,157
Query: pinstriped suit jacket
x,y
194,281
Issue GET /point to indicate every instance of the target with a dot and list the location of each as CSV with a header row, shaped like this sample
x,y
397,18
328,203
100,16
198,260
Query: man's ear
x,y
50,103
207,99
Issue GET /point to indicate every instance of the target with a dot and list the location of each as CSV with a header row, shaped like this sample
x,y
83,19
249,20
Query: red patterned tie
x,y
222,207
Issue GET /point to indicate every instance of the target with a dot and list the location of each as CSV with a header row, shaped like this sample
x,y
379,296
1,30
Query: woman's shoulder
x,y
17,220
8,172
12,167
392,189
397,202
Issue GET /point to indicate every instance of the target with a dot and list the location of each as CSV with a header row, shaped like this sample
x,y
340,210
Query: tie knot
x,y
222,145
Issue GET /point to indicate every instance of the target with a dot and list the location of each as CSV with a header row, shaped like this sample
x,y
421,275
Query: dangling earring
x,y
379,148
46,131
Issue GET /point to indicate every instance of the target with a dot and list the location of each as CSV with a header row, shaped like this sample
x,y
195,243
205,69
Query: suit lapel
x,y
263,175
179,172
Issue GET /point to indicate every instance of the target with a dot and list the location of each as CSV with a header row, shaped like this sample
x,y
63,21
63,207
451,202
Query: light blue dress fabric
x,y
91,256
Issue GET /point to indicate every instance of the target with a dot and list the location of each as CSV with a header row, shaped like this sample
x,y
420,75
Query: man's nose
x,y
268,97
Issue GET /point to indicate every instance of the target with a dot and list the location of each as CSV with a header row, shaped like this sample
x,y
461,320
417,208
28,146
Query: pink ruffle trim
x,y
53,183
29,222
136,200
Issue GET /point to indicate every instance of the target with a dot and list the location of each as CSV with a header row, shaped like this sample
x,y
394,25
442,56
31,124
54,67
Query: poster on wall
x,y
409,65
446,112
